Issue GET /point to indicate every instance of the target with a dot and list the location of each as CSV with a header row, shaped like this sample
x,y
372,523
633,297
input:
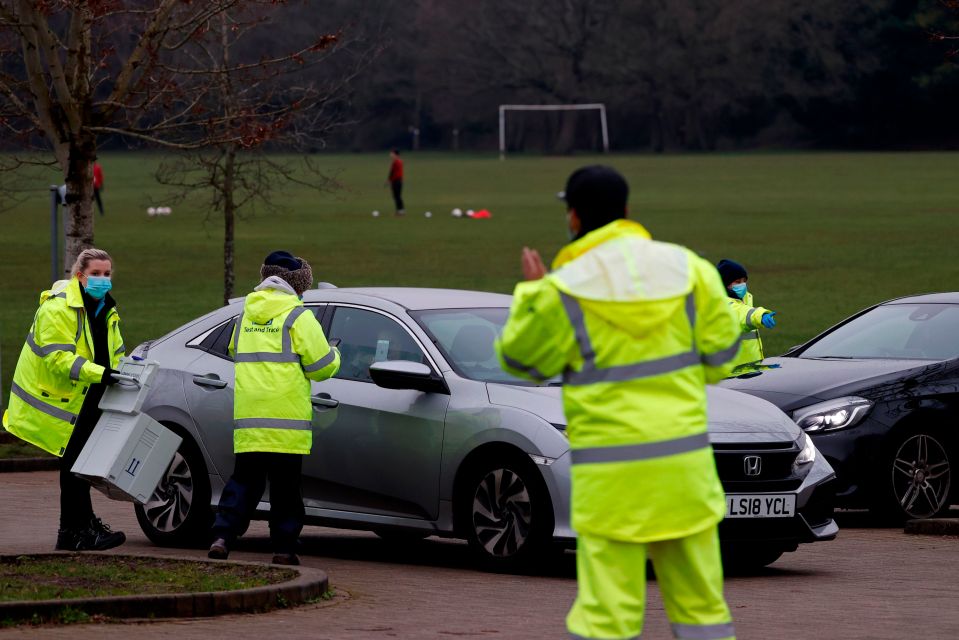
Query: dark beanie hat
x,y
598,194
730,271
295,271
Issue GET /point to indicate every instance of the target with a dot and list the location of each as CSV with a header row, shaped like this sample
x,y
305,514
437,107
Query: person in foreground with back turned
x,y
64,367
278,346
637,328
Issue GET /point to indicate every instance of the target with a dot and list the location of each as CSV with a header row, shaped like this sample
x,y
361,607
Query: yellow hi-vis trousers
x,y
611,600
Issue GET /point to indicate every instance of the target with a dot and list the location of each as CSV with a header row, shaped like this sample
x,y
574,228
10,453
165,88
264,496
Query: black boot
x,y
96,536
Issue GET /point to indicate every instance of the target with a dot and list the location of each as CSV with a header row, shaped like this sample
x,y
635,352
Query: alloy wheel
x,y
168,507
921,476
502,514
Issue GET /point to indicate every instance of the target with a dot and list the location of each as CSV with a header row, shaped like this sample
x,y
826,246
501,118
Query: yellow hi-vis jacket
x,y
278,346
750,319
56,368
637,328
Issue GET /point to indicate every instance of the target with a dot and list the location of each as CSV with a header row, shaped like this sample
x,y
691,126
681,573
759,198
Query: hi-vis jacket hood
x,y
74,297
592,269
269,299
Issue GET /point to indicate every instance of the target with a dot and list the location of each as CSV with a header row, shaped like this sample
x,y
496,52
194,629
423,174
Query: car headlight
x,y
806,455
832,414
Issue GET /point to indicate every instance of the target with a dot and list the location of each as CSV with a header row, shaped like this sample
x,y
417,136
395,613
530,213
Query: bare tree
x,y
75,71
286,103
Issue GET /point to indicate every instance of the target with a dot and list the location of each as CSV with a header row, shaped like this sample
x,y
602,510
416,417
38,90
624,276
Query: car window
x,y
908,331
367,337
217,341
467,338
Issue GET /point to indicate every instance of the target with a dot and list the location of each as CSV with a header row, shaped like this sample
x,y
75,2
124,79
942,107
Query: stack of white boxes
x,y
128,452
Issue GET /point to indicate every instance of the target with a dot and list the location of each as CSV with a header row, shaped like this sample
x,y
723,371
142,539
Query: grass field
x,y
822,234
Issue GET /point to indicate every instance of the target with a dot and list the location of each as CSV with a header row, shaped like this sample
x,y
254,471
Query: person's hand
x,y
108,378
768,320
533,267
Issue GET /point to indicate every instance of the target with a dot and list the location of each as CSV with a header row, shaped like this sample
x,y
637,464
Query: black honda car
x,y
879,394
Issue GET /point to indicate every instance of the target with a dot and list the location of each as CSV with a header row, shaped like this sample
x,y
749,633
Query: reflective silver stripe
x,y
591,374
691,315
751,335
645,451
41,406
77,365
79,325
576,636
575,314
62,294
47,349
236,333
271,423
519,366
623,373
723,356
287,325
749,315
704,631
120,349
691,309
265,356
322,362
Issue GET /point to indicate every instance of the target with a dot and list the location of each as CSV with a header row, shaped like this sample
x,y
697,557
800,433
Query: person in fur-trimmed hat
x,y
278,346
295,271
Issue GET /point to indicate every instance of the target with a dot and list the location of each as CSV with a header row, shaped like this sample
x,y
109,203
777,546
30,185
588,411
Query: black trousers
x,y
76,509
397,188
96,196
246,487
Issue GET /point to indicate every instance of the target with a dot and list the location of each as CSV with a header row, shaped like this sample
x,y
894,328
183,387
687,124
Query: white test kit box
x,y
128,451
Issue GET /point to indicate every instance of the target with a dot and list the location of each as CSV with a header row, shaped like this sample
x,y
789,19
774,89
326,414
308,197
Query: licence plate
x,y
761,505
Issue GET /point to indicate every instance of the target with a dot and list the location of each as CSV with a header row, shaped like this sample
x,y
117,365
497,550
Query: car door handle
x,y
216,383
324,400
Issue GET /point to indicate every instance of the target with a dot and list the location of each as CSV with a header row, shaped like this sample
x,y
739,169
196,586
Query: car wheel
x,y
744,558
918,478
178,513
507,514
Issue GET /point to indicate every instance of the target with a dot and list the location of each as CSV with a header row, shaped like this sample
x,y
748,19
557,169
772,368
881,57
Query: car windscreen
x,y
908,331
466,337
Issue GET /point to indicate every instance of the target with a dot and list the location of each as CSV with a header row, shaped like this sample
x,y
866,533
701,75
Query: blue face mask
x,y
97,286
739,290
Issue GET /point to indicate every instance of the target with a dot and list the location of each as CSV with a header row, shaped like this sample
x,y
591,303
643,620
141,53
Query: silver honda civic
x,y
421,433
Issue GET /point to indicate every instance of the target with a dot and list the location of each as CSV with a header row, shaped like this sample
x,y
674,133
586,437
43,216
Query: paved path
x,y
869,583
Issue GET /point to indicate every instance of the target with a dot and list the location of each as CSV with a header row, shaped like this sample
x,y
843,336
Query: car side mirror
x,y
403,374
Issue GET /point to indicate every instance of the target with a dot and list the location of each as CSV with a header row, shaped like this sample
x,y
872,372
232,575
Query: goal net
x,y
599,108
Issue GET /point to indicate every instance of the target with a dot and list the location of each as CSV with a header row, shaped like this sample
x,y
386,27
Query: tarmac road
x,y
869,583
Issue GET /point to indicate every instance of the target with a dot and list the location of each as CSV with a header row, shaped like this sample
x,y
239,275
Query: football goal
x,y
506,108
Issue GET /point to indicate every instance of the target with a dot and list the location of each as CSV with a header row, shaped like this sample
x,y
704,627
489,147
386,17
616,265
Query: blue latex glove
x,y
768,320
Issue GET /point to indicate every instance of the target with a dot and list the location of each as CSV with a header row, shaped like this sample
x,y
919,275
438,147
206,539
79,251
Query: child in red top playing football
x,y
395,180
98,184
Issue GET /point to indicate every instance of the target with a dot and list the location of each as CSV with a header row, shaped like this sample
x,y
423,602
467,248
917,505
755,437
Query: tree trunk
x,y
78,217
229,222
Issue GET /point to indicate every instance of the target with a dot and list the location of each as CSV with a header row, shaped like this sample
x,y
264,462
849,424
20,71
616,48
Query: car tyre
x,y
178,514
916,480
506,514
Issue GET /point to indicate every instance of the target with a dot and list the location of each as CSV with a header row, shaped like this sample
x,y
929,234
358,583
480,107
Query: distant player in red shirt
x,y
395,180
98,184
